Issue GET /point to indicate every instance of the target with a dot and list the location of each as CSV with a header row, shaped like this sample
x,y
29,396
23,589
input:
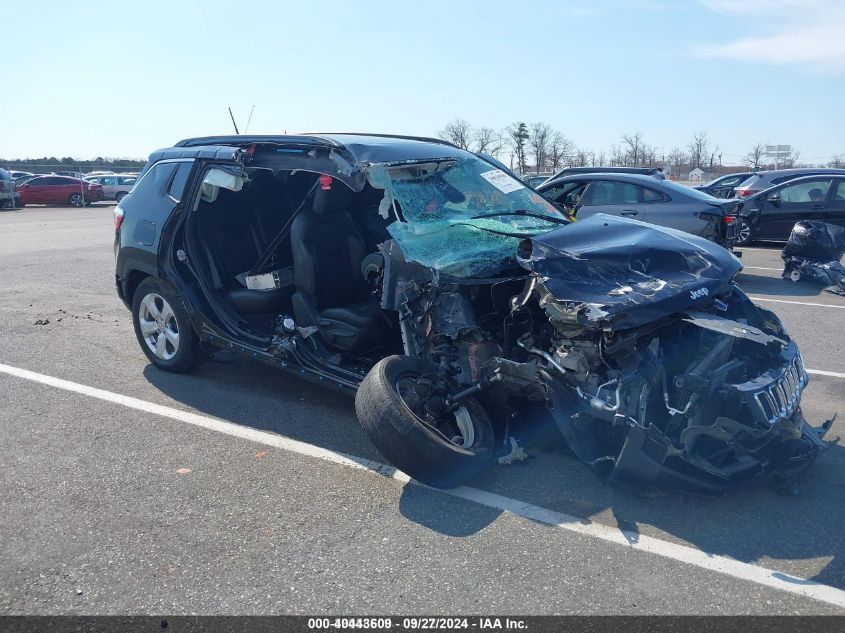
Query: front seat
x,y
327,255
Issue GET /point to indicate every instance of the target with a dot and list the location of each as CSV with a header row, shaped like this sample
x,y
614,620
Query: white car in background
x,y
115,186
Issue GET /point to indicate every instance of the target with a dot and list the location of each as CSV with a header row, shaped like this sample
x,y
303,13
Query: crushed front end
x,y
674,378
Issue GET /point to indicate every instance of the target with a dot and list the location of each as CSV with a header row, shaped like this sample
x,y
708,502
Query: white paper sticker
x,y
502,181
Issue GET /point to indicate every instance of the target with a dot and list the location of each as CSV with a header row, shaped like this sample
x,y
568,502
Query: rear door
x,y
835,212
614,198
48,190
109,186
64,189
783,207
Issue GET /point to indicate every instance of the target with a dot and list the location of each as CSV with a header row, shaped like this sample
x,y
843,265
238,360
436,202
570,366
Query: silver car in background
x,y
647,199
115,186
762,180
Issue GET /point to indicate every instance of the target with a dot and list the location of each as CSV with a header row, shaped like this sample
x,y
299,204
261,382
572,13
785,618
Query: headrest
x,y
330,196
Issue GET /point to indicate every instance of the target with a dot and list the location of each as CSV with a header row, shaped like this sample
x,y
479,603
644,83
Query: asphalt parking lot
x,y
223,491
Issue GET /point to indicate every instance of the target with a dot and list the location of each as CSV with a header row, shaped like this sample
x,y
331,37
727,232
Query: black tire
x,y
189,353
76,200
406,441
120,195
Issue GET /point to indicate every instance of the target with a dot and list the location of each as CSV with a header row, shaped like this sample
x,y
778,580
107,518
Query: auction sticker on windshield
x,y
502,181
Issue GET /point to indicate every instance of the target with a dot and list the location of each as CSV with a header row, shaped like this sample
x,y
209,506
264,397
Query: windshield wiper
x,y
522,212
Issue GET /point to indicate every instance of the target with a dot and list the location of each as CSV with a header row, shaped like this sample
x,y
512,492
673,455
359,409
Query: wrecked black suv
x,y
463,309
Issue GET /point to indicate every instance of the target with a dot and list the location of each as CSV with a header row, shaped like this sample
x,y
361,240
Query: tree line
x,y
67,162
541,148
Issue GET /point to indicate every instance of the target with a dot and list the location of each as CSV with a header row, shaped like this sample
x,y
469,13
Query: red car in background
x,y
54,189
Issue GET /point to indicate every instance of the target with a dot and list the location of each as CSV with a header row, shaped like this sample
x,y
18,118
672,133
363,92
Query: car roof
x,y
801,179
364,148
619,177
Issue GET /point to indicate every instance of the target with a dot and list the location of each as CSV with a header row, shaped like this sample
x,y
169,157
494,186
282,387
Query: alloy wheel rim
x,y
158,325
744,232
76,200
462,420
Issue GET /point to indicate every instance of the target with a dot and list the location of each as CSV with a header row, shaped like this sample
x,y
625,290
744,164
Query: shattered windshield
x,y
462,216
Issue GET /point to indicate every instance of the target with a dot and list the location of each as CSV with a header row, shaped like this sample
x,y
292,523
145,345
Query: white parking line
x,y
798,303
822,372
631,540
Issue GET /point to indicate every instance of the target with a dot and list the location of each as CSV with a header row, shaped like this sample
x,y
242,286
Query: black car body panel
x,y
631,338
771,215
627,273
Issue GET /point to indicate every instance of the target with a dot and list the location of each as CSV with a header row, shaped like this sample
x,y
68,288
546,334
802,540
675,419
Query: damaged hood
x,y
625,273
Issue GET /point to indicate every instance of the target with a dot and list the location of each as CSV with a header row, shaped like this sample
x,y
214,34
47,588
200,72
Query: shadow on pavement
x,y
777,287
800,535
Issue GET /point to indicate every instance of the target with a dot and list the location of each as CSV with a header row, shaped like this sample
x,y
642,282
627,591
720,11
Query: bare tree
x,y
540,136
699,149
560,149
713,155
754,158
789,161
837,161
581,158
633,144
617,156
600,160
487,140
677,159
516,135
457,132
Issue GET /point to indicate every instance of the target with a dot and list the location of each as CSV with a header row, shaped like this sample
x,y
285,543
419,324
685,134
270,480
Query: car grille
x,y
781,398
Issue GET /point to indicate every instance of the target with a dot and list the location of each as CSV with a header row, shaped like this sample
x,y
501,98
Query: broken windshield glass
x,y
462,216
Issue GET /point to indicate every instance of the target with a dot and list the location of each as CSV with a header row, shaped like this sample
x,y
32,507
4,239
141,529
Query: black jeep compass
x,y
462,309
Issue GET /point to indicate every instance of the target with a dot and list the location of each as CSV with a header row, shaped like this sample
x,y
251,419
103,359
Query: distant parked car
x,y
72,174
17,175
654,172
536,180
647,199
762,180
115,186
723,187
8,195
771,214
54,189
24,179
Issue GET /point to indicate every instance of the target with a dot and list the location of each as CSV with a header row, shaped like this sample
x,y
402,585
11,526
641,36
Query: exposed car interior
x,y
286,250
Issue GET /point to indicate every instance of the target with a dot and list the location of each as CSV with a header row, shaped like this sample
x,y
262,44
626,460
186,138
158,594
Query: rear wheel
x,y
76,200
437,447
119,196
163,328
744,235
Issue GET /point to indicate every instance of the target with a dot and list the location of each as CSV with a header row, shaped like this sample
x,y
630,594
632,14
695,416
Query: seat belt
x,y
277,241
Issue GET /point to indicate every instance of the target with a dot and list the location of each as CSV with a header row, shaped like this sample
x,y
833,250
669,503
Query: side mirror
x,y
774,198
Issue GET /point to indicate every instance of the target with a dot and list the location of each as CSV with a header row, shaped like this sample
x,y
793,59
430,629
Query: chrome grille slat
x,y
780,399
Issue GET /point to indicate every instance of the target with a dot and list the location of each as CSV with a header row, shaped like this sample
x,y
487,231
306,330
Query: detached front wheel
x,y
401,410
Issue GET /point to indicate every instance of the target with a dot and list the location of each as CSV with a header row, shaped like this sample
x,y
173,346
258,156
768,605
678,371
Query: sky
x,y
121,79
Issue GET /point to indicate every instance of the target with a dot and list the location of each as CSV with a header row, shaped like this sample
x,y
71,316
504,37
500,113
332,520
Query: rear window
x,y
177,185
650,195
687,191
749,181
